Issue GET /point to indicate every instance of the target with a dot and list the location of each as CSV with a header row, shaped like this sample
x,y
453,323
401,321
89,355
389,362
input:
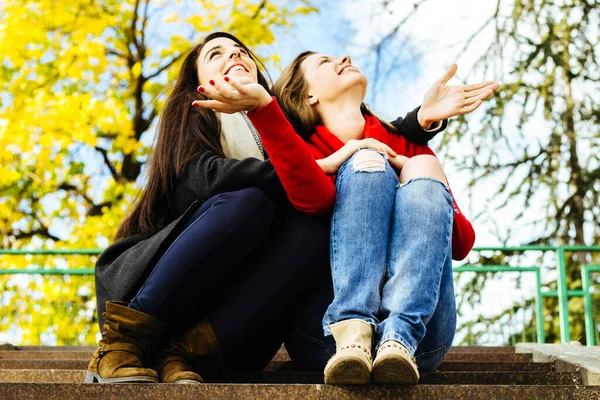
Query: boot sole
x,y
347,372
93,377
187,382
394,371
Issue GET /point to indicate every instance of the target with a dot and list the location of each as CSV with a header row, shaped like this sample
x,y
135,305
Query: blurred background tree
x,y
533,150
82,84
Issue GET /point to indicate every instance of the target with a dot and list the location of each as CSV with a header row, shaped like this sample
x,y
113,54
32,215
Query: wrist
x,y
263,101
423,120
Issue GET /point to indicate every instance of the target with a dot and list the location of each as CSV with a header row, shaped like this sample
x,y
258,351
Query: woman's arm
x,y
209,174
308,187
411,128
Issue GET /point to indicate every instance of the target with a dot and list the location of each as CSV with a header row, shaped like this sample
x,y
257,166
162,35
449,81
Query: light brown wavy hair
x,y
291,92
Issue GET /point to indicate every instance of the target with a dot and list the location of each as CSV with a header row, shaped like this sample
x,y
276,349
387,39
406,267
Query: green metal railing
x,y
563,293
590,331
539,306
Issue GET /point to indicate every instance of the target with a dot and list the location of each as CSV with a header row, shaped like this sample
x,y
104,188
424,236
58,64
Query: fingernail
x,y
226,79
200,89
212,82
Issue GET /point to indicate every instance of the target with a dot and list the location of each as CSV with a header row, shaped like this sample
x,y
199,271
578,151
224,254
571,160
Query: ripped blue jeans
x,y
391,256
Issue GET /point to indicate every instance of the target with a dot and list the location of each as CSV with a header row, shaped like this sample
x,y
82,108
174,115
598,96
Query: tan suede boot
x,y
394,365
191,356
351,364
127,341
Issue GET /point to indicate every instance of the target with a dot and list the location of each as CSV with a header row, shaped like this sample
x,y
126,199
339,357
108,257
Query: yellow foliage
x,y
70,70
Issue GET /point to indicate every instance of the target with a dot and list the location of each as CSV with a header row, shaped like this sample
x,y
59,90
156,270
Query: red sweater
x,y
309,189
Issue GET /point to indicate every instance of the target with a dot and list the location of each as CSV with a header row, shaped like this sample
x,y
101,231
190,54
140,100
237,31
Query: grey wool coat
x,y
123,267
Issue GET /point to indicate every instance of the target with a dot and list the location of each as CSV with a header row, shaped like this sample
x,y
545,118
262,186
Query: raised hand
x,y
443,102
232,95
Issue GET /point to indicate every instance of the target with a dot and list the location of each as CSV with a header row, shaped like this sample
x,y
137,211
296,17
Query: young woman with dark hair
x,y
395,225
210,266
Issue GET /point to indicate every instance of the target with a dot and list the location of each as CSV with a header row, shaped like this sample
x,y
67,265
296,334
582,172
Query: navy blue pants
x,y
245,265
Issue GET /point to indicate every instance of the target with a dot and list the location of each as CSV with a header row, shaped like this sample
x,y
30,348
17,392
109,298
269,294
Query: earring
x,y
312,100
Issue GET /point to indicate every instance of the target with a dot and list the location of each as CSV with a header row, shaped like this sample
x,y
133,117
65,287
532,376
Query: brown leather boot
x,y
128,339
191,356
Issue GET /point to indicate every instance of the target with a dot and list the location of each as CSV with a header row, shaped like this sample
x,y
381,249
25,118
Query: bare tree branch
x,y
163,68
261,6
111,167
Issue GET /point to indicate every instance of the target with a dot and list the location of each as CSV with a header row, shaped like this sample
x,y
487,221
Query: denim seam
x,y
425,178
448,243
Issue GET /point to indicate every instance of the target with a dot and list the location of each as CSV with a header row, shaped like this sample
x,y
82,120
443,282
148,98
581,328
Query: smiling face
x,y
222,57
328,77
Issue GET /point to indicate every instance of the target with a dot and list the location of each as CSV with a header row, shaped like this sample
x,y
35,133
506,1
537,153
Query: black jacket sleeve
x,y
413,132
209,174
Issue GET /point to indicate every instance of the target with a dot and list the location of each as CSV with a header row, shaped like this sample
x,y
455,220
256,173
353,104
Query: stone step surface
x,y
90,349
290,366
280,356
80,391
436,378
481,366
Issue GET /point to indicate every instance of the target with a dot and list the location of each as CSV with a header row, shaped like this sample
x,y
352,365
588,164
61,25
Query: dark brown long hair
x,y
291,92
184,132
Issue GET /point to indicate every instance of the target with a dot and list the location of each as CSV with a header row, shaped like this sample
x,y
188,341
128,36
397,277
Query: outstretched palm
x,y
443,102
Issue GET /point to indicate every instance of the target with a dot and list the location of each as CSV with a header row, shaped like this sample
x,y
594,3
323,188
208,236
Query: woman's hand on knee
x,y
398,162
332,164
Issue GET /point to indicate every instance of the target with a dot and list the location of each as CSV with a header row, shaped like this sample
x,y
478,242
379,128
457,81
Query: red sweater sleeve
x,y
308,188
463,234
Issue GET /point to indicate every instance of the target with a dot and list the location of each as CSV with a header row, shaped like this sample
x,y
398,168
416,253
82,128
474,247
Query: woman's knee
x,y
423,166
368,160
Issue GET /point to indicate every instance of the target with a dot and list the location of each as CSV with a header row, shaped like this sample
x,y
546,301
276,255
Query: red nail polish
x,y
200,89
212,82
226,79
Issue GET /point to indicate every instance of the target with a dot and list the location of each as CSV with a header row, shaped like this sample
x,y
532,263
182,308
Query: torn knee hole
x,y
368,160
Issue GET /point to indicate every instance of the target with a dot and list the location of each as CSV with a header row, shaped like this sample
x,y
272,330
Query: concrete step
x,y
437,378
90,349
80,391
280,356
81,364
8,346
485,366
474,366
482,349
46,355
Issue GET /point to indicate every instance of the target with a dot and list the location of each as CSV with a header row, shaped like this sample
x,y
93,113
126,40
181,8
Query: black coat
x,y
123,267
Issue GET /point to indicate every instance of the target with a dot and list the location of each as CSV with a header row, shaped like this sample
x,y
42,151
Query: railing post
x,y
587,306
541,334
563,297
